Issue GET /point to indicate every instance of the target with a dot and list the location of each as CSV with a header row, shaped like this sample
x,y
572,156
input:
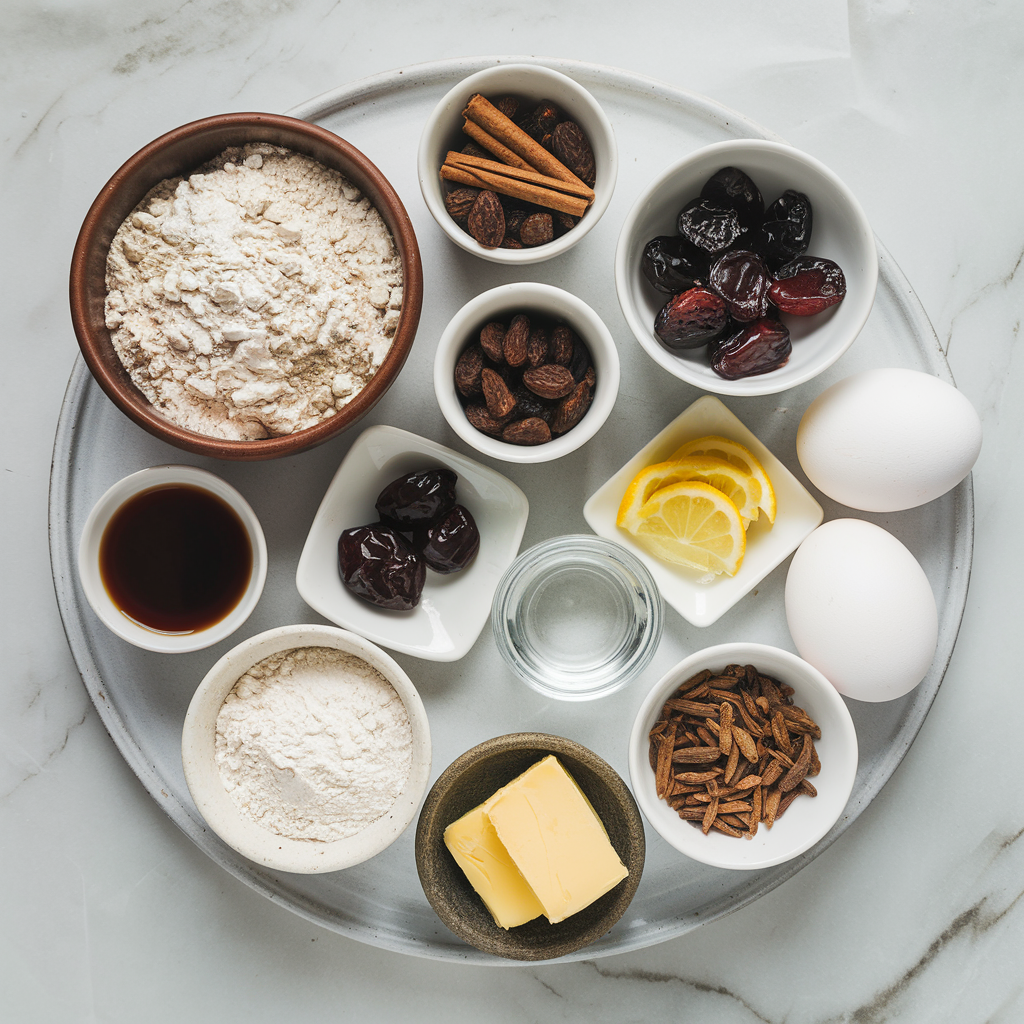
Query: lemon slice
x,y
692,523
738,455
736,484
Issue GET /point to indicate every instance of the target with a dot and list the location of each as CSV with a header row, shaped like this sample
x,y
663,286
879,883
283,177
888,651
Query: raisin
x,y
756,348
741,278
808,285
732,187
710,226
378,566
672,265
691,319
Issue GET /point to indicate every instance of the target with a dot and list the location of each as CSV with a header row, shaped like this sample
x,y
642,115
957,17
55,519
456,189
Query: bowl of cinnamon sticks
x,y
517,163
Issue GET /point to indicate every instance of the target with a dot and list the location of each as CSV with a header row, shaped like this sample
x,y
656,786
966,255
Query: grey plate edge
x,y
63,560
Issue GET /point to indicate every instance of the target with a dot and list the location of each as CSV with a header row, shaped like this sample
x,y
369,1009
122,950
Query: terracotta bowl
x,y
470,780
179,152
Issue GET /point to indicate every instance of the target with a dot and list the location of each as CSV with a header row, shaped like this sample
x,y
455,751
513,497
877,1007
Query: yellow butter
x,y
555,839
477,850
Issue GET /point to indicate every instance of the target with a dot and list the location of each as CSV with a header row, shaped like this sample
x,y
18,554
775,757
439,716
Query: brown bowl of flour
x,y
246,286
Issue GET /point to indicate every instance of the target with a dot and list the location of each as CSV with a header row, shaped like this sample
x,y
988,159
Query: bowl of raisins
x,y
746,268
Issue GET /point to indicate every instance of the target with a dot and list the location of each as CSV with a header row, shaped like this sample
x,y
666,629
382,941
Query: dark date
x,y
756,348
808,285
378,566
417,497
450,544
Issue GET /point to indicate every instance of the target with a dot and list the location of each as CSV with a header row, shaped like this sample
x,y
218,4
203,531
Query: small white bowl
x,y
453,609
797,516
280,853
532,82
809,818
502,303
841,233
89,559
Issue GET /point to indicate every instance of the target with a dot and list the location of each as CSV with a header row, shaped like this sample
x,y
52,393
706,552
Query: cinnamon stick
x,y
503,153
467,160
516,189
484,113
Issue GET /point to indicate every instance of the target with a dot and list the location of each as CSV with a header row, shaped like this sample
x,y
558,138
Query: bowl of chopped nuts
x,y
221,294
517,163
526,372
724,750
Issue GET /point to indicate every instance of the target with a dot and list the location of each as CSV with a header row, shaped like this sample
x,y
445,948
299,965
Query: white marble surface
x,y
109,914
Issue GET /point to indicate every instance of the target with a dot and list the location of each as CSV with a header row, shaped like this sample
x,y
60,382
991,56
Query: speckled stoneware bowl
x,y
470,780
179,152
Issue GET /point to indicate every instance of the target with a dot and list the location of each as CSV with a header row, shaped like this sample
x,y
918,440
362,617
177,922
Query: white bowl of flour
x,y
307,749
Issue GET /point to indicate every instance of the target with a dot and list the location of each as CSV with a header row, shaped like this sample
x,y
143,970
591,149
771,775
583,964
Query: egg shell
x,y
888,439
861,611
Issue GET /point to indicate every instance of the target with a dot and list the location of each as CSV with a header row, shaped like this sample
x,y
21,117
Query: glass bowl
x,y
577,617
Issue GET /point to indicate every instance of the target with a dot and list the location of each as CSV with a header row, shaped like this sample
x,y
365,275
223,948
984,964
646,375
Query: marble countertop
x,y
109,914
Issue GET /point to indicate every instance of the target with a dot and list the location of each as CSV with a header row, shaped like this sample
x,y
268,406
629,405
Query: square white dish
x,y
453,609
797,515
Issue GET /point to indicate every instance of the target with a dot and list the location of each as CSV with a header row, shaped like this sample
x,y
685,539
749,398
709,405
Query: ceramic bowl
x,y
768,545
529,82
470,780
808,820
179,152
841,233
198,743
502,303
454,608
89,559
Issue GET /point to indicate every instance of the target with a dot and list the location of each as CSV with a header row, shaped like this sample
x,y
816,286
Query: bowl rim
x,y
551,301
202,776
760,384
94,339
90,577
544,744
692,842
427,166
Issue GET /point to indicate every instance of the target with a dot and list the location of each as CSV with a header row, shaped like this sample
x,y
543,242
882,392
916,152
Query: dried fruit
x,y
482,420
732,187
537,229
417,497
537,346
517,340
709,226
467,371
378,566
756,348
571,409
530,431
460,201
672,265
549,381
563,341
741,278
451,543
570,145
691,319
745,780
499,399
808,285
486,220
787,227
492,340
541,120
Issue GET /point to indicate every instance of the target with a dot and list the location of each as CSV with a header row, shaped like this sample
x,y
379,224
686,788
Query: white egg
x,y
890,439
861,611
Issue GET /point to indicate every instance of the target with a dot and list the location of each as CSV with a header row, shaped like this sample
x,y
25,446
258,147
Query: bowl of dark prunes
x,y
746,268
409,543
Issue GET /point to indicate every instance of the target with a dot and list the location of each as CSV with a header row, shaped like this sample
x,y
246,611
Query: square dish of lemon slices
x,y
707,508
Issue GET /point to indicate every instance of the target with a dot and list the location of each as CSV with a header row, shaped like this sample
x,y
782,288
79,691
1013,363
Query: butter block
x,y
484,860
555,839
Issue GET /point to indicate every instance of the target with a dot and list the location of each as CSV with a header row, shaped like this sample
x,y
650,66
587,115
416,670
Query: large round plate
x,y
142,697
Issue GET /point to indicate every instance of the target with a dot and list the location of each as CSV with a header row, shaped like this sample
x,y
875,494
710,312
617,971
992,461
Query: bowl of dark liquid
x,y
172,559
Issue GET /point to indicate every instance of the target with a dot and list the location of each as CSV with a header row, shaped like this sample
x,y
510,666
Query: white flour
x,y
255,298
313,744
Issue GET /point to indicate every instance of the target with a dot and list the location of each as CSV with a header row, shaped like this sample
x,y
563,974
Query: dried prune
x,y
417,497
710,226
756,348
741,278
672,265
732,187
787,227
691,319
377,565
450,544
808,285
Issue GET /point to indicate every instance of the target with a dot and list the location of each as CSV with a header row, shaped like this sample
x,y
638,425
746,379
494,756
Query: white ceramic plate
x,y
453,609
797,516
